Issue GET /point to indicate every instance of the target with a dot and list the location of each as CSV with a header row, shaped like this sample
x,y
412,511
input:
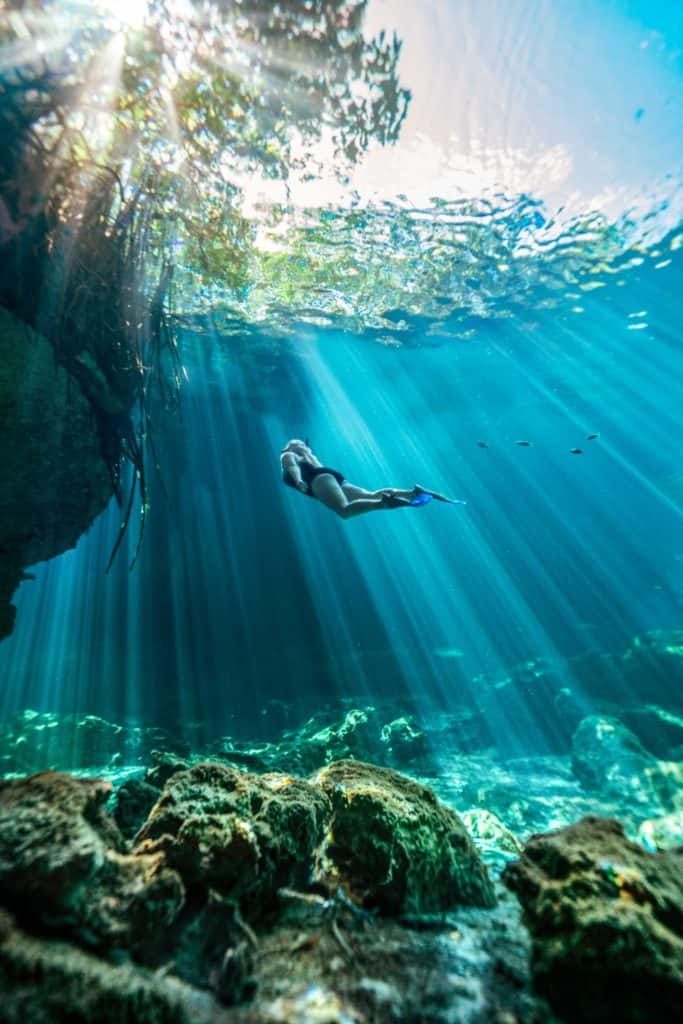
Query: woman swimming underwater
x,y
304,471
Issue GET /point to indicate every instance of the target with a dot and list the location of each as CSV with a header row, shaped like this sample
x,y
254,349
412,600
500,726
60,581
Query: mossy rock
x,y
63,867
606,919
394,846
244,835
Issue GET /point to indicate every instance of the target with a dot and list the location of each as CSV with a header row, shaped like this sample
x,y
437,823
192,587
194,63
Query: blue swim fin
x,y
424,496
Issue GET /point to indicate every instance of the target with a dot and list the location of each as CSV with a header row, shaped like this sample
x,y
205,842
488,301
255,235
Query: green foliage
x,y
197,97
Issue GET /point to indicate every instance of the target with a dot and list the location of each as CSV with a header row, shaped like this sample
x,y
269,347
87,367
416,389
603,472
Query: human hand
x,y
301,486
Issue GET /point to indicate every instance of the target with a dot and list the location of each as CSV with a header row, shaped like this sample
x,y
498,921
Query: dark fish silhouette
x,y
576,451
482,444
524,444
592,437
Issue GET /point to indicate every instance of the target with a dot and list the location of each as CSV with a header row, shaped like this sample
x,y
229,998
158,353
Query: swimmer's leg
x,y
341,499
353,492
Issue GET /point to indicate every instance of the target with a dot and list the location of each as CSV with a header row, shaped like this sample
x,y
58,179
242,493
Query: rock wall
x,y
53,478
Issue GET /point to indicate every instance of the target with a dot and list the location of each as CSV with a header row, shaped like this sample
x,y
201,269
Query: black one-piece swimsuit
x,y
308,474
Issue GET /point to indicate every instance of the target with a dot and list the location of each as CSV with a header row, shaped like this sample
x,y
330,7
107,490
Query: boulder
x,y
394,847
607,758
63,866
606,920
243,835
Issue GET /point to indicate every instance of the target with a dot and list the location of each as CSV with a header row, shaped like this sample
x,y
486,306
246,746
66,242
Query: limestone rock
x,y
491,837
405,742
53,478
608,758
63,866
394,847
606,919
357,734
241,834
49,982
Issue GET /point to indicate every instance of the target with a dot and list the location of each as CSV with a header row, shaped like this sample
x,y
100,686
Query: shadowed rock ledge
x,y
54,480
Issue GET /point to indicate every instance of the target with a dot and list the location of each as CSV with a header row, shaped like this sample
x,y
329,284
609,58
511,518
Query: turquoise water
x,y
247,591
397,334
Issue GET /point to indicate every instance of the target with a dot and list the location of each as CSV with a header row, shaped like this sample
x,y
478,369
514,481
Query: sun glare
x,y
129,13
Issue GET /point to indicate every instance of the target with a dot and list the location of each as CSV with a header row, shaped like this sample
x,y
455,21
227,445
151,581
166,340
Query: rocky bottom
x,y
470,967
292,881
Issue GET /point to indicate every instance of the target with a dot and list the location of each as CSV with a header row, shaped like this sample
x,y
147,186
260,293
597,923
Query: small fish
x,y
524,444
592,437
449,652
482,444
576,451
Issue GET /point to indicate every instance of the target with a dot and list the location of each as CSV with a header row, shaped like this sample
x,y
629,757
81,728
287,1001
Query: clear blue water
x,y
458,318
245,590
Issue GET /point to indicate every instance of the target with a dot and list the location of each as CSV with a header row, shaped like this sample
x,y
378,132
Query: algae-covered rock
x,y
241,834
394,846
606,919
63,866
608,758
54,982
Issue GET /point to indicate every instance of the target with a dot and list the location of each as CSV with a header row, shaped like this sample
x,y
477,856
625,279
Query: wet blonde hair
x,y
295,440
